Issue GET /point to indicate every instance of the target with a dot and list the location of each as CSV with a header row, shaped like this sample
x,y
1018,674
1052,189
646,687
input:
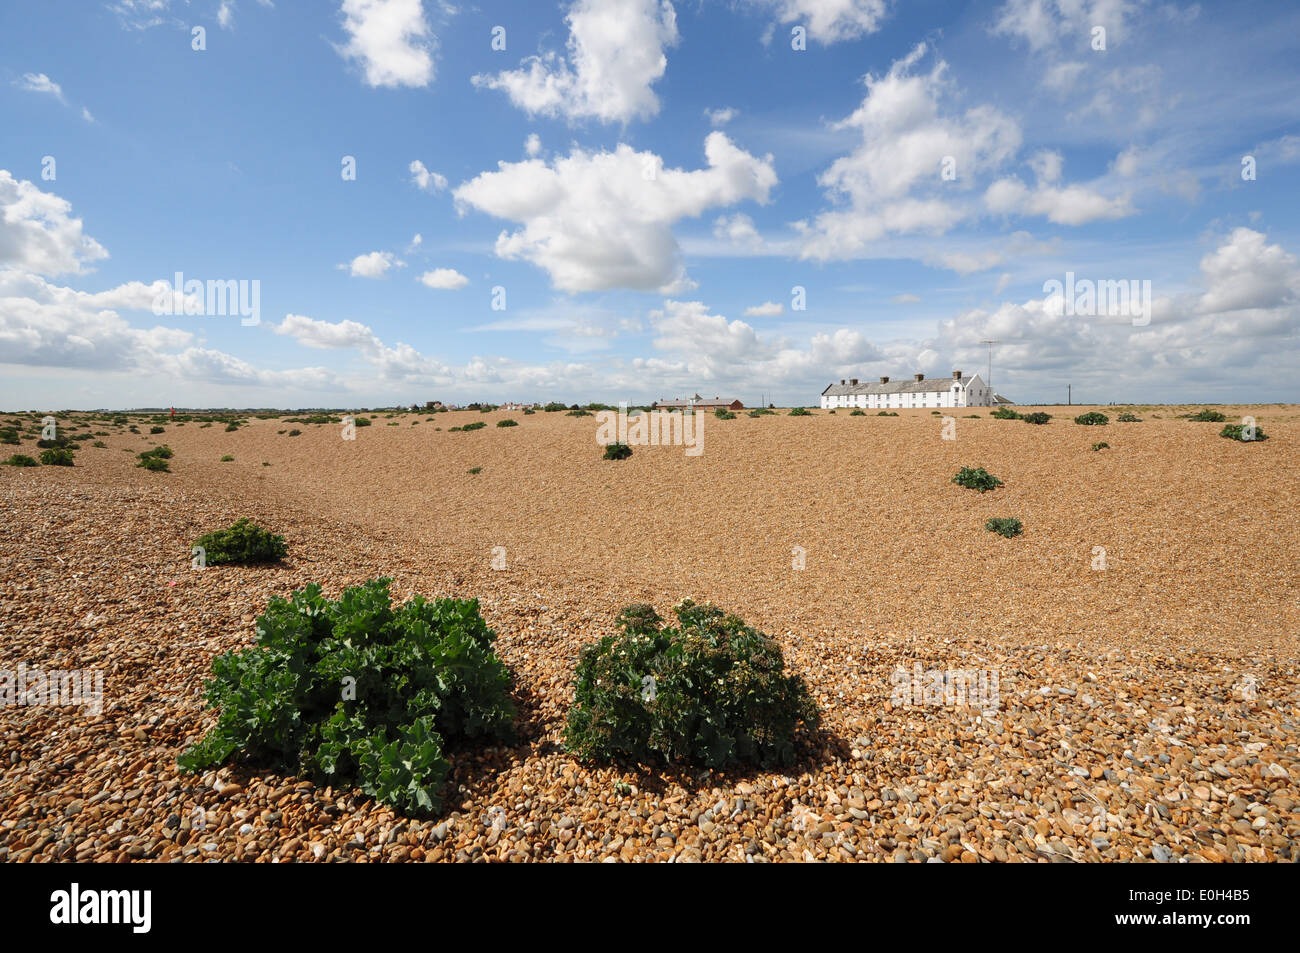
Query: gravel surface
x,y
1147,710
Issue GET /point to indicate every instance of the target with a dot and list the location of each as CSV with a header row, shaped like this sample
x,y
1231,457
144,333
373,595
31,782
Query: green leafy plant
x,y
1243,433
1005,413
507,423
357,691
157,429
99,444
801,412
362,421
242,543
1092,419
1127,418
972,416
474,470
231,427
295,433
617,451
1038,417
976,478
710,691
1101,446
10,436
157,464
56,457
1207,416
1007,526
886,413
162,452
528,411
227,458
578,413
723,414
857,413
22,460
476,425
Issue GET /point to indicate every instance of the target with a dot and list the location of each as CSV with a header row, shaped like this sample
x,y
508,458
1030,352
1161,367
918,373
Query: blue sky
x,y
643,185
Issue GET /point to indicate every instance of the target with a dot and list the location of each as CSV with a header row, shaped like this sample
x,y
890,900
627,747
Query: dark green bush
x,y
857,413
976,478
529,411
227,458
357,691
474,470
1101,446
10,436
1007,526
1005,413
1241,431
552,407
231,427
157,429
22,460
295,433
617,451
154,463
507,423
723,414
886,413
1092,419
56,457
99,444
476,425
243,543
362,421
801,412
709,691
1127,418
1036,418
162,452
1207,416
578,413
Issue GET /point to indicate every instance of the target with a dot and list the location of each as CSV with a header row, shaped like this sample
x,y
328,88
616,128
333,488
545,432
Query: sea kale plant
x,y
357,691
708,691
242,543
976,478
1092,419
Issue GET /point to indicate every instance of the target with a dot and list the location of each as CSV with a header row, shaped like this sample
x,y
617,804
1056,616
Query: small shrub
x,y
507,423
1037,417
1127,418
56,457
295,433
1101,446
474,470
22,460
162,452
231,427
617,451
972,416
1241,432
452,429
265,464
1007,526
157,429
887,413
133,428
801,412
227,458
99,444
857,413
710,691
528,411
1092,419
476,425
723,414
425,675
243,543
578,413
1005,413
552,407
1207,416
362,421
976,478
157,464
9,436
935,413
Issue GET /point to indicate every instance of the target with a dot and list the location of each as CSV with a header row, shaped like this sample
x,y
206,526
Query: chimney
x,y
919,377
884,380
841,382
853,380
956,375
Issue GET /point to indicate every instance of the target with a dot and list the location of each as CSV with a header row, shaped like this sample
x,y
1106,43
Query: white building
x,y
955,391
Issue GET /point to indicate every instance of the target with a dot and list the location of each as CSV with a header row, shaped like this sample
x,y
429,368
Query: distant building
x,y
515,405
698,402
955,391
